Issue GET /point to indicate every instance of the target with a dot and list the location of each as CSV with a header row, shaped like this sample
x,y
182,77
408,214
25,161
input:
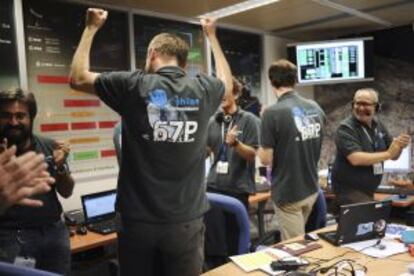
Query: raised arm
x,y
81,78
64,180
222,66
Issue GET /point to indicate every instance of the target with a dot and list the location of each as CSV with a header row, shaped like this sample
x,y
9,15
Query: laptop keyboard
x,y
103,227
328,236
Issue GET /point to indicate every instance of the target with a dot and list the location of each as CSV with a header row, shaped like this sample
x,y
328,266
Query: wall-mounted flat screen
x,y
333,61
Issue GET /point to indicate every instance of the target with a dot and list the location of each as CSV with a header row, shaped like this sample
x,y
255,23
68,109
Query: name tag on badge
x,y
25,262
378,169
222,167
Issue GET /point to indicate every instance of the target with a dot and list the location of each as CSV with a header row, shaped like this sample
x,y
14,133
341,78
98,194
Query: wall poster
x,y
52,32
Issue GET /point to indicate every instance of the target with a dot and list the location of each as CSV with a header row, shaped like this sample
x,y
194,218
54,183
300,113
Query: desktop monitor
x,y
401,165
336,61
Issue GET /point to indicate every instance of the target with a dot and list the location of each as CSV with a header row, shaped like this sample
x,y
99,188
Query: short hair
x,y
18,95
237,87
370,90
282,73
171,45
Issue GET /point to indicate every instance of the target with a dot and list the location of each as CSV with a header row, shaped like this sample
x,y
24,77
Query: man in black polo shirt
x,y
233,138
363,144
35,237
291,142
161,195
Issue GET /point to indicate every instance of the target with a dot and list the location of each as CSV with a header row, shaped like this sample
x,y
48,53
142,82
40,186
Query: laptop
x,y
99,211
359,222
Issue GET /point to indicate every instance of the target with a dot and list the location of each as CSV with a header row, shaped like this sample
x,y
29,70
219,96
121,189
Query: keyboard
x,y
103,227
394,190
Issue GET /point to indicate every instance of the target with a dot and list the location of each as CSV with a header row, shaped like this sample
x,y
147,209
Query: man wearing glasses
x,y
363,144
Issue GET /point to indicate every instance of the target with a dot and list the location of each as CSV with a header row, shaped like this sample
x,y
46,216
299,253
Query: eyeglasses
x,y
20,116
364,104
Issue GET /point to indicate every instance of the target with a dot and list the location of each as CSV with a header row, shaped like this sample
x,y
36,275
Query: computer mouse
x,y
81,230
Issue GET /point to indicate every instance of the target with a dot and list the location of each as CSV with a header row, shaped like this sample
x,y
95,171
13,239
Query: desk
x,y
79,243
396,201
394,265
91,240
260,199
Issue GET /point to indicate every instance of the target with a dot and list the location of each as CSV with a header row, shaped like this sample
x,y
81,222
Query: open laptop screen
x,y
99,206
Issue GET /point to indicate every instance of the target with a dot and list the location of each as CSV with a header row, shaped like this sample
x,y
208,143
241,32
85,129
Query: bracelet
x,y
235,143
63,170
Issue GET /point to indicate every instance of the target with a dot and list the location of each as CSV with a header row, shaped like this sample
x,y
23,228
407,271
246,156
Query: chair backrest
x,y
235,207
317,218
13,270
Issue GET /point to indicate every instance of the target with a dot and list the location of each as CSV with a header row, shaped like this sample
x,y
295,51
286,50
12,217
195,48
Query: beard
x,y
16,135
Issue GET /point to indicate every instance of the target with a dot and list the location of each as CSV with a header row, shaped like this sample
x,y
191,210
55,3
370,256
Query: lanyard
x,y
222,130
374,144
222,155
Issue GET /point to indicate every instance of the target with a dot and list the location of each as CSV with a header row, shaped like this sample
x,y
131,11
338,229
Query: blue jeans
x,y
49,245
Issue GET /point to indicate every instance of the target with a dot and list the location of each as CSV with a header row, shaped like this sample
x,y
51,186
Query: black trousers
x,y
161,249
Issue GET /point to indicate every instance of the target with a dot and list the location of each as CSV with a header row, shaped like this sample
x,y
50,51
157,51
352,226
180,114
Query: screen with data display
x,y
333,61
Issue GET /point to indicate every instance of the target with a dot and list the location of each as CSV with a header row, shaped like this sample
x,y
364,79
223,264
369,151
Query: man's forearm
x,y
222,66
247,152
64,184
265,156
367,158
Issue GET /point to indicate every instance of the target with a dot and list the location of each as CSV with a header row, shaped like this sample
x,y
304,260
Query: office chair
x,y
317,218
13,270
235,207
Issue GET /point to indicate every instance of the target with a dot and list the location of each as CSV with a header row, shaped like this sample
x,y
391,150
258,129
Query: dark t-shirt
x,y
293,128
23,217
240,177
351,137
164,117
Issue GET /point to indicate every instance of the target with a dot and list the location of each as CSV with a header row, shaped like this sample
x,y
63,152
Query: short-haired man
x,y
233,140
35,236
161,196
291,142
362,145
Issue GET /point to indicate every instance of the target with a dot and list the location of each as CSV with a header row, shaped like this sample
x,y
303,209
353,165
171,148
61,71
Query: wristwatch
x,y
235,143
63,170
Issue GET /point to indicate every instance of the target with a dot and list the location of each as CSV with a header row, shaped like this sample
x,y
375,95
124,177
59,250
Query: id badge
x,y
28,262
378,169
222,167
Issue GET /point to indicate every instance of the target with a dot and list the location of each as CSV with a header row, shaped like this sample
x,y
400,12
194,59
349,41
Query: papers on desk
x,y
256,260
387,247
395,230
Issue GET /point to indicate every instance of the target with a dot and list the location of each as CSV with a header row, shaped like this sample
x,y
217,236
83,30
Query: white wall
x,y
74,202
274,48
